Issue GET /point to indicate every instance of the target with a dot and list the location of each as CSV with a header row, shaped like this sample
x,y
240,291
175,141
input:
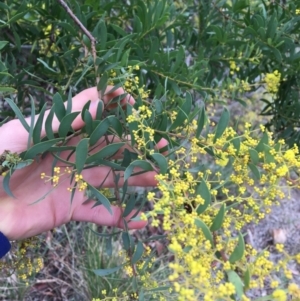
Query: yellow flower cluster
x,y
23,262
273,81
144,134
233,67
80,184
191,203
141,271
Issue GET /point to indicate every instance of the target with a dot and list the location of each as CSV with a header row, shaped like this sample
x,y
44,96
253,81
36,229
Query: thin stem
x,y
84,30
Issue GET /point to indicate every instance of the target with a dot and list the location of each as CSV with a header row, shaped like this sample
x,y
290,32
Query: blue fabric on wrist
x,y
4,245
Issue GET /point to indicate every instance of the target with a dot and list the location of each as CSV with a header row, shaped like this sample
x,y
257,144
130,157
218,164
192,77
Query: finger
x,y
106,178
92,94
15,137
99,215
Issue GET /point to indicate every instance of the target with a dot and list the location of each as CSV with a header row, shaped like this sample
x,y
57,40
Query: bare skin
x,y
20,219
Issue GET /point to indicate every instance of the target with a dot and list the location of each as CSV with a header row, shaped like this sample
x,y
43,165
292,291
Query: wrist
x,y
4,245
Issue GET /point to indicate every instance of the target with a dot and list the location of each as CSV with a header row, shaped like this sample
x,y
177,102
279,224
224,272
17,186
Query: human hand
x,y
19,218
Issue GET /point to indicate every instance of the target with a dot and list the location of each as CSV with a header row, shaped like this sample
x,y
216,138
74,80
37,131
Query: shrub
x,y
174,57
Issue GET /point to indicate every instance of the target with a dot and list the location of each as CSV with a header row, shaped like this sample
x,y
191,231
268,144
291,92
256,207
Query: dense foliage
x,y
174,57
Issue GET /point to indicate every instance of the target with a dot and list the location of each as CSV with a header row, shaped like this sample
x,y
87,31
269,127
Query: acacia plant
x,y
174,58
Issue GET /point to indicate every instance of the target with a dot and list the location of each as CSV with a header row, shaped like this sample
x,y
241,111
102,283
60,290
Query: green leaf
x,y
18,114
99,110
40,148
69,103
236,143
60,110
138,253
127,241
65,125
81,153
106,151
36,135
254,156
48,67
32,120
203,191
218,221
183,112
200,121
201,225
115,124
101,199
239,250
99,131
162,162
48,123
254,170
106,272
23,164
247,278
103,83
130,204
144,165
222,124
261,145
88,120
5,183
3,44
6,89
235,279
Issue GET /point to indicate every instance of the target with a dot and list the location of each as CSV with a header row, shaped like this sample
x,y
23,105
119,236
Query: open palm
x,y
20,218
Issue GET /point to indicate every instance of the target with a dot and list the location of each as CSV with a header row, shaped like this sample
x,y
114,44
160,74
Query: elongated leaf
x,y
162,162
222,124
254,156
6,88
218,221
81,152
254,170
105,152
40,148
48,123
99,131
239,250
101,199
138,253
23,164
106,272
36,135
32,120
65,125
5,183
144,165
99,110
183,112
200,224
200,121
247,278
204,192
18,114
88,120
60,110
129,205
69,102
235,279
115,124
127,241
3,44
261,145
47,66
